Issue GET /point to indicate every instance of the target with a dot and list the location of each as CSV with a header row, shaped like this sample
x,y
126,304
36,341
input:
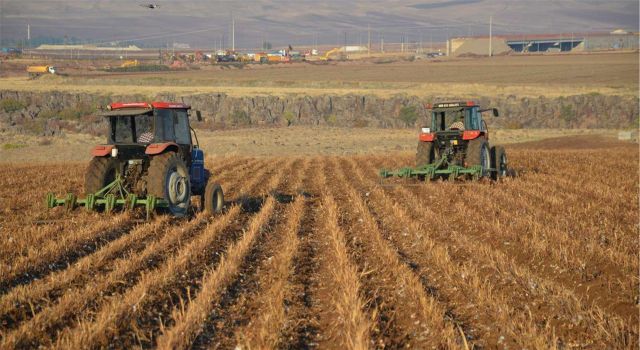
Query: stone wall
x,y
222,111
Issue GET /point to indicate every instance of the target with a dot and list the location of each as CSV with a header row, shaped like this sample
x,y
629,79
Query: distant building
x,y
87,48
181,46
620,32
353,49
616,40
11,51
476,46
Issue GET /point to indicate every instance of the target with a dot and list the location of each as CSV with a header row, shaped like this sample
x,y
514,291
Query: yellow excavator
x,y
327,55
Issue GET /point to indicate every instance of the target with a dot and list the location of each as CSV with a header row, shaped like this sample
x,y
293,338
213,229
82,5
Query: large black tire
x,y
478,153
499,163
213,198
100,172
168,178
425,154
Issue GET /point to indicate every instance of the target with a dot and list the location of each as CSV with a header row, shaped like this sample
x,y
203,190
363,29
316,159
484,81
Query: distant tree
x,y
266,45
408,115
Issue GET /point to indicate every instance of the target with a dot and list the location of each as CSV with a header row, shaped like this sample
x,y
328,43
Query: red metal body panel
x,y
165,105
157,148
424,137
471,134
101,150
157,104
119,105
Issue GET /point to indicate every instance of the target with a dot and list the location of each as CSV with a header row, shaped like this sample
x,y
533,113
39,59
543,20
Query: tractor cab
x,y
457,117
139,128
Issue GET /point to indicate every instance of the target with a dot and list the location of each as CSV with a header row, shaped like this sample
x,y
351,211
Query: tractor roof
x,y
139,108
157,105
452,104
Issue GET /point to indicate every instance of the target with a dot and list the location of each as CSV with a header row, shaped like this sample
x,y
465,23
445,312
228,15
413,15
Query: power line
x,y
160,36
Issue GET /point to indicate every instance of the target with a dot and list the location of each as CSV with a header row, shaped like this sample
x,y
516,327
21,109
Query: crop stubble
x,y
313,252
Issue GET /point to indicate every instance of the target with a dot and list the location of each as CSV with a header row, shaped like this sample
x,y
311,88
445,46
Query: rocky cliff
x,y
52,112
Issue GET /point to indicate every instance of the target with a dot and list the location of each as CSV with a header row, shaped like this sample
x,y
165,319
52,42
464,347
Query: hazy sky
x,y
206,23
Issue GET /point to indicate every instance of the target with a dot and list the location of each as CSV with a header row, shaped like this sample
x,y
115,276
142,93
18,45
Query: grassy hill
x,y
286,21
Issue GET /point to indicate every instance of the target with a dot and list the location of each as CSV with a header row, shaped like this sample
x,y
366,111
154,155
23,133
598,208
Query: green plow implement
x,y
441,168
110,197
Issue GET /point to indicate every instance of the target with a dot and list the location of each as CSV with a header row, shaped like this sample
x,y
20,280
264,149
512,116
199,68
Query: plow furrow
x,y
417,321
228,288
180,275
519,285
58,254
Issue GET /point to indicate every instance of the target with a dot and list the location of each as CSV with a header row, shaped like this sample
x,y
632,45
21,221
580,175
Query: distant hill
x,y
207,23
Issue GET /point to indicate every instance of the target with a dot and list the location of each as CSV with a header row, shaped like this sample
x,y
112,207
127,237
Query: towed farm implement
x,y
456,145
149,160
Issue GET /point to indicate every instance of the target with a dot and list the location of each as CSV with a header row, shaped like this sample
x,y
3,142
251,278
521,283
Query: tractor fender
x,y
472,134
101,150
427,137
157,148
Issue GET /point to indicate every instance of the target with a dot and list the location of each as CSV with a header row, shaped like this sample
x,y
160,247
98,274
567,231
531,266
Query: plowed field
x,y
313,252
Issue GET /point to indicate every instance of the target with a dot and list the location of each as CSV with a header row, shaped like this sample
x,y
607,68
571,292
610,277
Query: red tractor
x,y
456,144
149,159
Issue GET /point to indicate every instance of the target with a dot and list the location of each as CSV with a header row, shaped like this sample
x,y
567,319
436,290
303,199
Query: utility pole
x,y
491,36
430,41
382,43
571,47
233,33
345,41
369,40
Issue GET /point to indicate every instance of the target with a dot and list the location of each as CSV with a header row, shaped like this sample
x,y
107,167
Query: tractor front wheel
x,y
168,178
478,154
100,172
213,198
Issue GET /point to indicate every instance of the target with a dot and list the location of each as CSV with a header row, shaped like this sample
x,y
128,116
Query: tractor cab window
x,y
164,118
122,129
181,127
450,119
473,119
144,128
175,125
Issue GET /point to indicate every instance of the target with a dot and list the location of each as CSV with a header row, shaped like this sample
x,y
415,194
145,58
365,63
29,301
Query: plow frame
x,y
109,197
431,171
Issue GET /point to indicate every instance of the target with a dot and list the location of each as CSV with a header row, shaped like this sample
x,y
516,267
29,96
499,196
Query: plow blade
x,y
431,172
111,197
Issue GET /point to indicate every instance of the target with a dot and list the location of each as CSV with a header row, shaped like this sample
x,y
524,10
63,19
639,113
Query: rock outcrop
x,y
51,112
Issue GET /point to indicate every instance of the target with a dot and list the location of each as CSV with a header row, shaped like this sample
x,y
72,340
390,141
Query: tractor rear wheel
x,y
100,172
478,154
499,163
424,154
168,178
213,198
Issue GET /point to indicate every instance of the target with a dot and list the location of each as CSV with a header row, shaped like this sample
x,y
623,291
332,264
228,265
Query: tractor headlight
x,y
114,152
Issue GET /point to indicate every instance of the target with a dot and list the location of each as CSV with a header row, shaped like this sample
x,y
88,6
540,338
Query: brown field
x,y
312,252
266,142
546,75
